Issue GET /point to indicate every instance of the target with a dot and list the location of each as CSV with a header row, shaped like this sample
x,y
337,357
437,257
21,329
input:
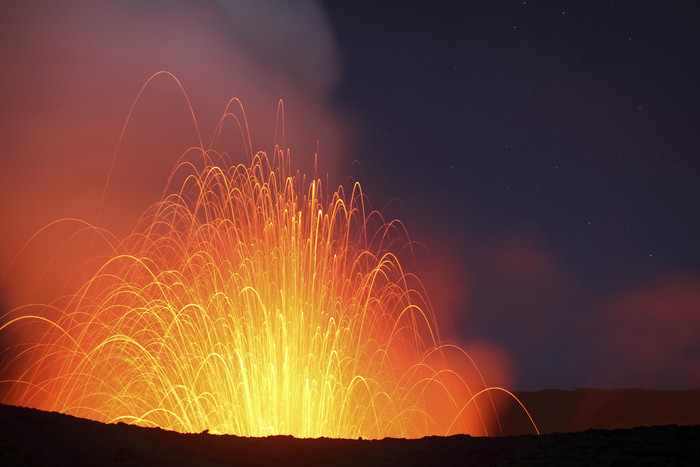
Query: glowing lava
x,y
250,301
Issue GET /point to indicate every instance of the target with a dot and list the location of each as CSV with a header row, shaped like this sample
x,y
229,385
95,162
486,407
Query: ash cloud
x,y
649,335
71,71
560,332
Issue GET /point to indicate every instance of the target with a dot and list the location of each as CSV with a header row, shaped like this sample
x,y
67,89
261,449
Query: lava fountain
x,y
249,300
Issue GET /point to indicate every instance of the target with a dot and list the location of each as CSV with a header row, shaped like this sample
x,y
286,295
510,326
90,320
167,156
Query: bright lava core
x,y
251,301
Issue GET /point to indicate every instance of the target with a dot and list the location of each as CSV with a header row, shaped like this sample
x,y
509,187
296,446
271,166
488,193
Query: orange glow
x,y
250,300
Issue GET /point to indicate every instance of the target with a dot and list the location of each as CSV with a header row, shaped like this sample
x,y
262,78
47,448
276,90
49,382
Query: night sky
x,y
555,149
545,154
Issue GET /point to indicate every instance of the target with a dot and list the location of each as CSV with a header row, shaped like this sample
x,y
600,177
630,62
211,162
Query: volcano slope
x,y
33,437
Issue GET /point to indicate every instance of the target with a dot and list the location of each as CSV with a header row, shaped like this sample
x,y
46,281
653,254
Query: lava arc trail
x,y
249,300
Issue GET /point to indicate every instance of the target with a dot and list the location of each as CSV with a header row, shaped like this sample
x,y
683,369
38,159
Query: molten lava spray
x,y
250,301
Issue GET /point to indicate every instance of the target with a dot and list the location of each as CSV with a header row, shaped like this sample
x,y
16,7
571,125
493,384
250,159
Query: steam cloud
x,y
71,71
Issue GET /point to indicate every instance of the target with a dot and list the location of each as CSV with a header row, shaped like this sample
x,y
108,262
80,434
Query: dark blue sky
x,y
555,147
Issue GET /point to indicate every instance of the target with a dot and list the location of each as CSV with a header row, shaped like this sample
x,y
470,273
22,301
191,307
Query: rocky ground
x,y
32,437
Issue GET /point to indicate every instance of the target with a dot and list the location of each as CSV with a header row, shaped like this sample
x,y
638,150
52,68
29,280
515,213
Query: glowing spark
x,y
249,301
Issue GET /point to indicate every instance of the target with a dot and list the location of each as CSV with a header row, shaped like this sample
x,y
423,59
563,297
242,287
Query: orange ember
x,y
249,300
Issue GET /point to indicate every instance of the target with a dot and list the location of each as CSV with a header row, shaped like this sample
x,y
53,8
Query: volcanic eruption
x,y
250,300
